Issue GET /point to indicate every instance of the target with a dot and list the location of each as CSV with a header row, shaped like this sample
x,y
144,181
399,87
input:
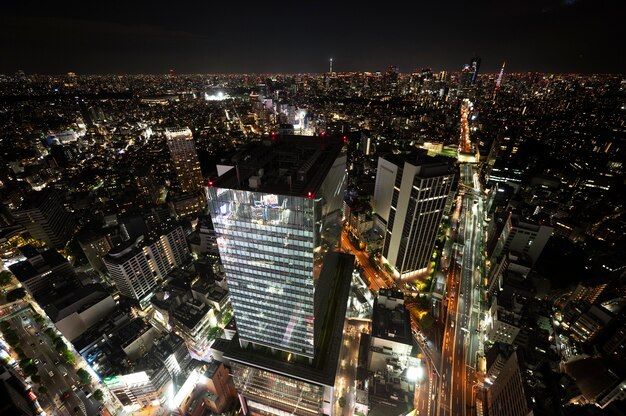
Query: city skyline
x,y
386,215
541,36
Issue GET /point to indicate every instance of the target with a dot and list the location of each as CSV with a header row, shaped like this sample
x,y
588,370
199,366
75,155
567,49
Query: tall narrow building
x,y
276,212
45,218
184,159
410,197
475,65
277,216
505,394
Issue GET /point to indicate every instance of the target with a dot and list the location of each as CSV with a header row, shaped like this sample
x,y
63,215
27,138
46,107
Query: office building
x,y
506,162
410,197
95,246
44,274
221,391
192,320
390,356
505,394
184,159
75,311
521,236
203,240
45,218
502,324
148,379
137,266
276,212
187,205
508,264
270,381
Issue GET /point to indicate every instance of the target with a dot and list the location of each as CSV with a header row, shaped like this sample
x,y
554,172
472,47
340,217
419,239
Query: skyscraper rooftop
x,y
286,165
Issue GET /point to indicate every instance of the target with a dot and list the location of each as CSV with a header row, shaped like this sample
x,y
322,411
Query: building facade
x,y
273,230
95,247
505,394
184,159
45,218
410,197
136,268
522,237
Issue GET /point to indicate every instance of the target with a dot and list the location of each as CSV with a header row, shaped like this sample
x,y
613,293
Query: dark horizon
x,y
181,74
545,36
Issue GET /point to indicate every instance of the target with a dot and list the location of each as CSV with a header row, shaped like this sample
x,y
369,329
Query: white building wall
x,y
73,325
383,190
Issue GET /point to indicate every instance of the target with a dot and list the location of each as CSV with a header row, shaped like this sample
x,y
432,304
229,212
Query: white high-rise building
x,y
137,267
410,197
522,236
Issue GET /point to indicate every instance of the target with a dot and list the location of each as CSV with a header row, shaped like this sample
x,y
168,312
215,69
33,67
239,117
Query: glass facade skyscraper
x,y
272,232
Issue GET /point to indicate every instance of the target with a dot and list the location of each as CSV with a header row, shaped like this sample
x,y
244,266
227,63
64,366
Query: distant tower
x,y
475,65
331,66
499,80
465,79
184,159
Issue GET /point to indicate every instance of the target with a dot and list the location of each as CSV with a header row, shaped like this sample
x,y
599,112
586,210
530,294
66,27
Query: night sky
x,y
98,37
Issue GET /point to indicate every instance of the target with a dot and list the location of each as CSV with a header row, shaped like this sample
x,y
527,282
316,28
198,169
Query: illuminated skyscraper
x,y
475,65
276,212
184,159
410,197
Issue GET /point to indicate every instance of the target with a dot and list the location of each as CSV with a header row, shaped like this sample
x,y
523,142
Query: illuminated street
x,y
346,374
461,338
375,277
60,378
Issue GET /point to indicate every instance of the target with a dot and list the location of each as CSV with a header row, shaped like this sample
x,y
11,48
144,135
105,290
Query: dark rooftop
x,y
392,324
285,165
25,270
429,165
190,313
95,293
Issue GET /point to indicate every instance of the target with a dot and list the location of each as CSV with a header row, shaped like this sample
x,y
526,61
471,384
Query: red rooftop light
x,y
309,195
210,183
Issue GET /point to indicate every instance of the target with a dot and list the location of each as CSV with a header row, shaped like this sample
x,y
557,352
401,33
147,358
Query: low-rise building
x,y
79,309
391,349
192,320
210,294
